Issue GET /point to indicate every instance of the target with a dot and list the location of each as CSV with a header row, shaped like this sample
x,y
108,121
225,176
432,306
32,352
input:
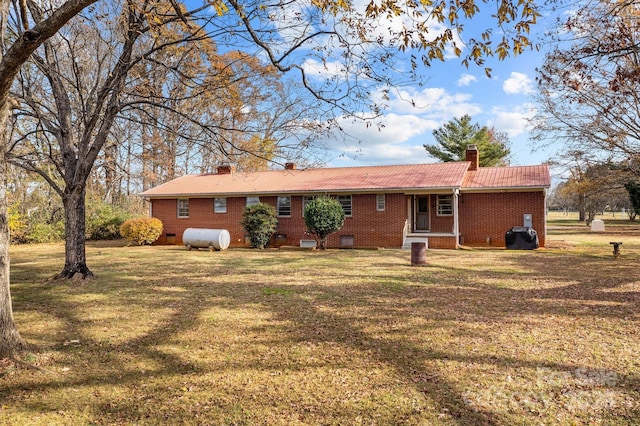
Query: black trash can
x,y
521,238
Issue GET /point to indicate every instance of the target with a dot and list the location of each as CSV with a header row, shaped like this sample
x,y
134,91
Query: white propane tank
x,y
218,239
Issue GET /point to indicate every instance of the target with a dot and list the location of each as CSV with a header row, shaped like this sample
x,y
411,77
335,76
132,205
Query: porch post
x,y
456,228
546,210
410,212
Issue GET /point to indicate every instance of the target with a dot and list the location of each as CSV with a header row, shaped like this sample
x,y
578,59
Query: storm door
x,y
421,213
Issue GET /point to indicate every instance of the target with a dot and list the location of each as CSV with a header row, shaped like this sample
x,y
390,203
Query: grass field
x,y
475,337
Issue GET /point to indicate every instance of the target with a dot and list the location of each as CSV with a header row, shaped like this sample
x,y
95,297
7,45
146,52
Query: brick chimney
x,y
224,169
289,166
471,154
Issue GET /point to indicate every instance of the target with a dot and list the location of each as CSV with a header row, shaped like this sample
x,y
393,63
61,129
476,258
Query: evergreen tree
x,y
260,222
634,196
455,136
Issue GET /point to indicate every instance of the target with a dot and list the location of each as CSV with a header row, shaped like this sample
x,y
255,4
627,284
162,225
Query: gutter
x,y
419,190
505,189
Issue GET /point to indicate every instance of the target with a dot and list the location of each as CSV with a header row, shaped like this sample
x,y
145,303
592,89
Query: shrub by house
x,y
259,222
143,230
323,216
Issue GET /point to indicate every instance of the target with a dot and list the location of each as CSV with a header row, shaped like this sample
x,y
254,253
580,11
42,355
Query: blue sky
x,y
503,101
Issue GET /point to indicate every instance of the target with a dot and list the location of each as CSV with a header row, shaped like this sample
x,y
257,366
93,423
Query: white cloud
x,y
514,122
435,103
518,84
382,154
413,115
466,80
387,25
390,129
324,70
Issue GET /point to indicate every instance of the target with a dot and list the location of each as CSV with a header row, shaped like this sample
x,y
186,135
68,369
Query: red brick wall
x,y
372,228
483,217
441,242
439,223
487,217
201,215
369,227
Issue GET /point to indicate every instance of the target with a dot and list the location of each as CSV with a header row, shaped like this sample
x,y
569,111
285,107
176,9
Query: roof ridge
x,y
333,168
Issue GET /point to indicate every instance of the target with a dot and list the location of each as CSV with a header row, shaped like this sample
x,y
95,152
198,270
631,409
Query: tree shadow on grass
x,y
405,359
318,312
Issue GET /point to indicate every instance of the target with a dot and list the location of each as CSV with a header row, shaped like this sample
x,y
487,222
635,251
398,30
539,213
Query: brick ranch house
x,y
444,204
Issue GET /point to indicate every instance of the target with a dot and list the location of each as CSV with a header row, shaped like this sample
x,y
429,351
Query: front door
x,y
421,212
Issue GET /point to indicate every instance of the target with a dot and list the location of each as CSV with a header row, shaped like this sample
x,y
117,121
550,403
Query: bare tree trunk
x,y
10,62
10,339
128,168
75,261
147,163
111,183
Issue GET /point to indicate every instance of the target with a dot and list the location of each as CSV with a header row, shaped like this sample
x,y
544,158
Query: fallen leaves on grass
x,y
338,337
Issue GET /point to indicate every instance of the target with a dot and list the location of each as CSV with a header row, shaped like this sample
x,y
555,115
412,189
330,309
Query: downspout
x,y
456,227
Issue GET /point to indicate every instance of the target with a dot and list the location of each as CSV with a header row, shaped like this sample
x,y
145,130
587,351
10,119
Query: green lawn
x,y
475,337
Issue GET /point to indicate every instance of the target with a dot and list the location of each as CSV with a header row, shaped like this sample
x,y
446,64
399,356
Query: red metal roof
x,y
402,177
508,177
353,179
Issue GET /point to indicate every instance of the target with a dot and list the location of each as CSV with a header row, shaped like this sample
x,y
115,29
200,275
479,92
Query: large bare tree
x,y
14,52
71,98
588,85
157,71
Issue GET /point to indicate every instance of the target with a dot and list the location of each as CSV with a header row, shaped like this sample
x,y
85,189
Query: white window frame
x,y
286,212
380,202
444,205
346,201
251,201
182,206
220,205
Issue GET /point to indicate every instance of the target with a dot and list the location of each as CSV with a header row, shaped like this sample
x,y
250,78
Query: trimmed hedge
x,y
143,230
323,216
260,222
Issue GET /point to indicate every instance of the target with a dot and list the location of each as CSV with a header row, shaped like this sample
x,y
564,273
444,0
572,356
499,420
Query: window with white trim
x,y
380,202
345,202
219,205
445,205
284,206
252,201
183,207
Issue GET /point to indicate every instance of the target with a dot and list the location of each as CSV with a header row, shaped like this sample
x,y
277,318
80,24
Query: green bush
x,y
104,220
39,232
260,222
323,216
143,230
17,225
634,197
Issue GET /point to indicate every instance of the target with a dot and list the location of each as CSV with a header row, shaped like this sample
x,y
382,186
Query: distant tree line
x,y
594,187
